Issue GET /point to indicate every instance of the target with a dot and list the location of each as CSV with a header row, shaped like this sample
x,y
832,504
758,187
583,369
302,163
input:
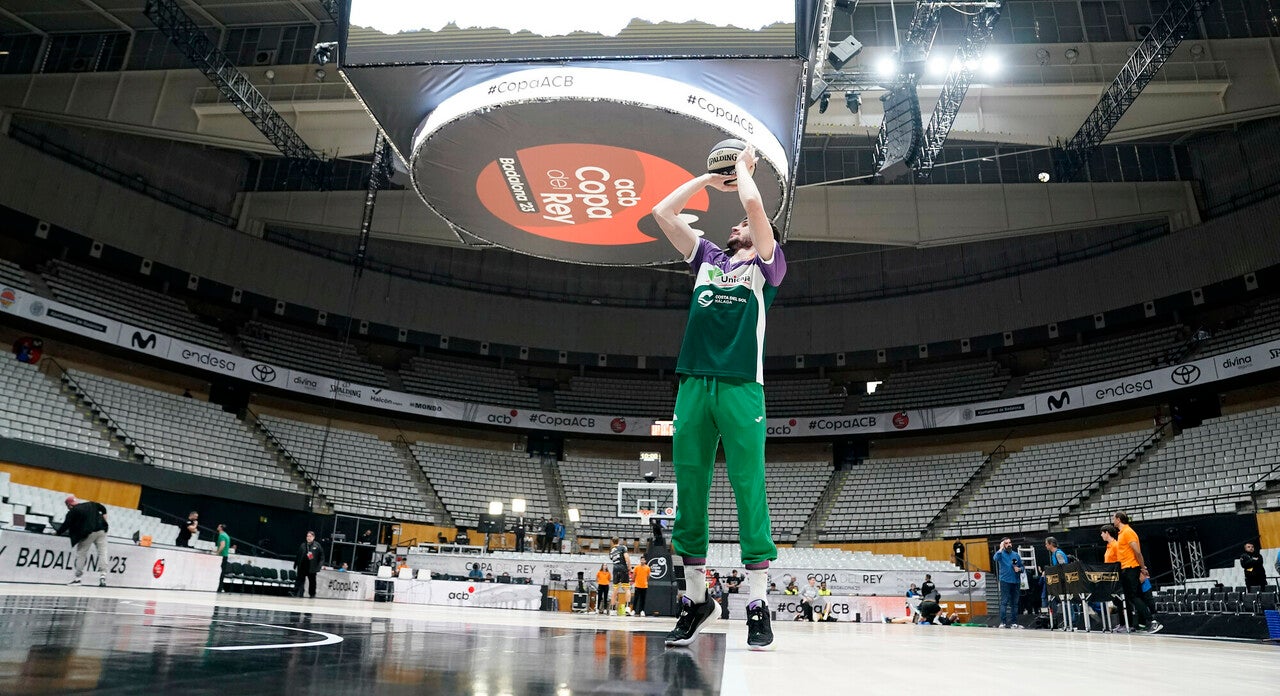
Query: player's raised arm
x,y
749,195
667,213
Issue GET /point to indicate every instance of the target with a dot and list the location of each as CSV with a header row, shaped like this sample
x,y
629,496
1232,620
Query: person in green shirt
x,y
224,550
721,393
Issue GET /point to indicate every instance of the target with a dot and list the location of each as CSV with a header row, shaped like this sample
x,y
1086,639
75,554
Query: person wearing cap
x,y
86,524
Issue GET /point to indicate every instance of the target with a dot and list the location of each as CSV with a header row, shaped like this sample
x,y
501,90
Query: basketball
x,y
724,155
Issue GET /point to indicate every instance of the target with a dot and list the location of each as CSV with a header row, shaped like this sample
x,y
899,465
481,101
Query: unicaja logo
x,y
706,297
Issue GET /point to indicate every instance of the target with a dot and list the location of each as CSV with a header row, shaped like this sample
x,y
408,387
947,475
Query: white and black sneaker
x,y
759,632
693,617
75,581
1154,627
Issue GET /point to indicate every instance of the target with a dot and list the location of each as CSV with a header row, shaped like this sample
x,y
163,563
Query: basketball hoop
x,y
645,515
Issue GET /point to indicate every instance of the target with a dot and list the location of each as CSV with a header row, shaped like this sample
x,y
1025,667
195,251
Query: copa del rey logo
x,y
580,193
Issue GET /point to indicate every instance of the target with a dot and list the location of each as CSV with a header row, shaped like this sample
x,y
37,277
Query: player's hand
x,y
723,182
749,158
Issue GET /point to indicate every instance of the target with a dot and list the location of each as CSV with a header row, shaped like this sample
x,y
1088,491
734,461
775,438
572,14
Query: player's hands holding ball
x,y
749,158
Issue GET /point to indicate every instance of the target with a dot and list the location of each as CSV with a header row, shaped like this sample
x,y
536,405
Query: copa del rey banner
x,y
134,337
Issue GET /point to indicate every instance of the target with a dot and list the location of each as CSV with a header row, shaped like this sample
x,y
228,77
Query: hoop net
x,y
645,516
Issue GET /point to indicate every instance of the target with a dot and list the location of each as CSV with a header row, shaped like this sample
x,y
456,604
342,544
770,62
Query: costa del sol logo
x,y
706,297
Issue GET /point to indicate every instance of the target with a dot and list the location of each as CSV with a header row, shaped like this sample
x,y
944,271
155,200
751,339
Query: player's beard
x,y
737,243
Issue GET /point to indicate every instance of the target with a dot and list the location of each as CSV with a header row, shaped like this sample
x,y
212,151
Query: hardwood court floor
x,y
57,640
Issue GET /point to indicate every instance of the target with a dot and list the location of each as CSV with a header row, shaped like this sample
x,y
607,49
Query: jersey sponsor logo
x,y
706,297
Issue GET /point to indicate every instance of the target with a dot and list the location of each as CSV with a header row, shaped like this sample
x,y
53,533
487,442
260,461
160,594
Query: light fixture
x,y
844,52
270,75
323,52
1042,56
887,67
1043,177
1072,55
1197,51
823,102
518,506
873,385
991,64
495,507
3,53
937,65
573,515
853,101
321,74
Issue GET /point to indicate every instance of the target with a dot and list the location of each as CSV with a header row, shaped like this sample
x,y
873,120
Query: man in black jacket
x,y
86,524
307,563
188,529
1255,573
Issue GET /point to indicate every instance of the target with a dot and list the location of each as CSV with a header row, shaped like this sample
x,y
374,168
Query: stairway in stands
x,y
413,468
809,534
555,496
287,462
1122,471
956,506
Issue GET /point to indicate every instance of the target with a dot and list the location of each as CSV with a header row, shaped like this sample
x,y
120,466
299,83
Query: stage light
x,y
991,64
1072,55
323,52
887,67
574,515
270,75
321,74
844,52
1042,56
823,102
518,506
853,102
938,65
1043,177
495,507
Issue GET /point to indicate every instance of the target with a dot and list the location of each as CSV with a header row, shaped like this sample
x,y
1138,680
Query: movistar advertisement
x,y
431,31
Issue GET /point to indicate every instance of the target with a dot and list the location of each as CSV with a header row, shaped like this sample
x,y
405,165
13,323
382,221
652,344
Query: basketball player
x,y
721,395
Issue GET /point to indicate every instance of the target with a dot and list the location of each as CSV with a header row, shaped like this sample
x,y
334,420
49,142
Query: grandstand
x,y
463,381
32,409
310,353
793,489
1260,325
127,302
792,396
12,275
1030,489
466,479
646,397
896,498
356,472
1108,358
1211,468
938,385
180,433
48,507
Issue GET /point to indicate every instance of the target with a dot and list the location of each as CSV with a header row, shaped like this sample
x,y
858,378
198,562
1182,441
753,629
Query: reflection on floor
x,y
57,640
70,644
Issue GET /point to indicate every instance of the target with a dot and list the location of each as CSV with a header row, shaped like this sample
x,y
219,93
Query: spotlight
x,y
844,52
323,52
887,67
1197,51
1072,55
816,89
823,102
937,65
991,64
1043,177
270,75
853,101
321,74
1042,56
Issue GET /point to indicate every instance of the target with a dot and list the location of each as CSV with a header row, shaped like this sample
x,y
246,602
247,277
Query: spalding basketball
x,y
724,156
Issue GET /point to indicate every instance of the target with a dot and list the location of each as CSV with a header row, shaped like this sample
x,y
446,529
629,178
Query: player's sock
x,y
758,584
695,582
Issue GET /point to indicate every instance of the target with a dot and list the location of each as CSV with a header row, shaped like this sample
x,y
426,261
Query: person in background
x,y
822,589
86,525
342,568
809,599
223,549
732,582
957,553
603,576
476,573
188,529
307,563
1255,572
927,588
519,530
1008,567
641,584
621,569
548,535
1056,557
1133,570
773,589
792,588
558,541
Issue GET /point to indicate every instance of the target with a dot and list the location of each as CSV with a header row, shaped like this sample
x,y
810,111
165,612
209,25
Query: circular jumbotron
x,y
567,163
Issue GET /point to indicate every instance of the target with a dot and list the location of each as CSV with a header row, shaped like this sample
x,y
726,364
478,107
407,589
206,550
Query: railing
x,y
302,91
279,445
127,440
999,449
1085,490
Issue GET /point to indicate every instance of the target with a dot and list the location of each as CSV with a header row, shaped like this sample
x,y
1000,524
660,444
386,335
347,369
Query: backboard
x,y
636,496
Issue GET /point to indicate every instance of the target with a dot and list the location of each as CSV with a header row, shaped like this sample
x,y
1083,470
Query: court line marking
x,y
329,638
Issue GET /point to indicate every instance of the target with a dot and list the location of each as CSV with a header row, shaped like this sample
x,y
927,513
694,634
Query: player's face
x,y
740,236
